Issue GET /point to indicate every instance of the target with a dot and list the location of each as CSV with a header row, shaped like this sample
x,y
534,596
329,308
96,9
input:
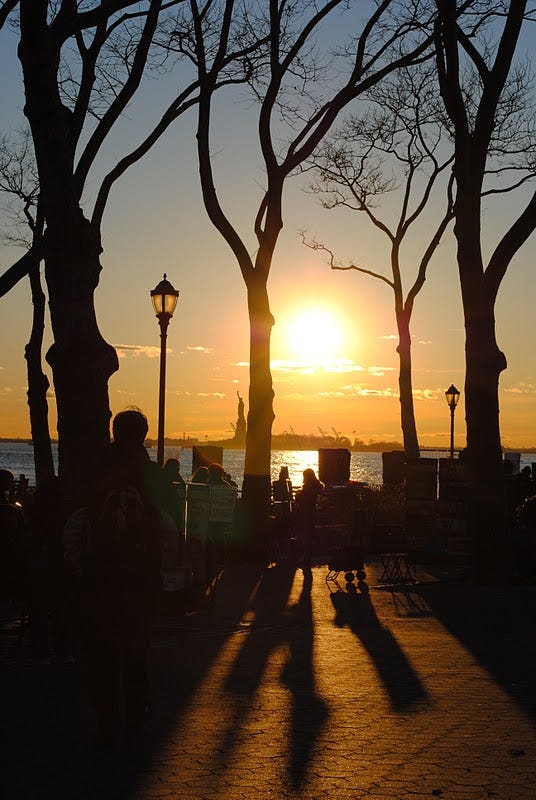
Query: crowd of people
x,y
92,578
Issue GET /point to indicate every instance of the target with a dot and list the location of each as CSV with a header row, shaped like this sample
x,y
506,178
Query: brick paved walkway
x,y
288,689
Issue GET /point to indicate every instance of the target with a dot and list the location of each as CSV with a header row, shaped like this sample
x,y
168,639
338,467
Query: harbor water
x,y
365,467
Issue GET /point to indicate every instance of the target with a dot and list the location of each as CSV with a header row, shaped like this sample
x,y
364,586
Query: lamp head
x,y
164,297
452,395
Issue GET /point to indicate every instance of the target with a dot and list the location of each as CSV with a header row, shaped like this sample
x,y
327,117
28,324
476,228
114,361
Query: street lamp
x,y
452,395
164,298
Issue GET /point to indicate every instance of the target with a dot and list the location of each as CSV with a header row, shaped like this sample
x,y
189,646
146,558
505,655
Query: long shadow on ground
x,y
278,623
48,728
356,611
496,624
309,711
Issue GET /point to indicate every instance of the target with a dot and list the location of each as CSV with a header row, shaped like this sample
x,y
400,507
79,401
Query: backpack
x,y
122,549
124,510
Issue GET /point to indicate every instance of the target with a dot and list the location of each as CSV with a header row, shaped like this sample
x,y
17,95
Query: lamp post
x,y
452,395
164,298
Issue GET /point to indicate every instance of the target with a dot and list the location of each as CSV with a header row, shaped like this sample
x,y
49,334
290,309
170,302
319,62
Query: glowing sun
x,y
314,336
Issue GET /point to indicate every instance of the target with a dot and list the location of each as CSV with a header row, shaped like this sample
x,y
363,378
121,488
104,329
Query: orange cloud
x,y
136,350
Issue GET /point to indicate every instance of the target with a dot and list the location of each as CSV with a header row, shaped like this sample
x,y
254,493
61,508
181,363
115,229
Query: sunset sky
x,y
345,379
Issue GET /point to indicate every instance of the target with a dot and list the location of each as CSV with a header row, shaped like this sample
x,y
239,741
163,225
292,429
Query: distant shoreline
x,y
296,442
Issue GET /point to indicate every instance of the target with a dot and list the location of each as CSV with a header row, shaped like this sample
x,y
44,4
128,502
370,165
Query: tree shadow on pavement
x,y
309,711
495,624
48,749
276,623
400,680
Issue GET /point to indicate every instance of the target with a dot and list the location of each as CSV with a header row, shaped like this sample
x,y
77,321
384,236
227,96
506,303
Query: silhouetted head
x,y
283,473
216,473
130,427
309,475
172,468
7,479
200,475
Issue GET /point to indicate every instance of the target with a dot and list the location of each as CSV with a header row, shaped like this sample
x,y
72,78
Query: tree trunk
x,y
256,489
407,410
81,361
484,364
476,90
38,385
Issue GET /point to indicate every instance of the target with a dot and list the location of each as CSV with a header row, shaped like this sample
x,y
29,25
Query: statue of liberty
x,y
240,430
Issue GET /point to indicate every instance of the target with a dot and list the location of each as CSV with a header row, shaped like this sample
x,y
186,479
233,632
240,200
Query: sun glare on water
x,y
314,336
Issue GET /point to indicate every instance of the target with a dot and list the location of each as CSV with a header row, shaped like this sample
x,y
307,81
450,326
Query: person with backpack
x,y
120,575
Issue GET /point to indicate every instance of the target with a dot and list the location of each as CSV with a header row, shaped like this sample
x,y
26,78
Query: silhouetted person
x,y
172,470
216,475
12,539
525,539
21,491
49,589
216,530
121,577
283,496
200,475
523,485
175,500
230,480
305,514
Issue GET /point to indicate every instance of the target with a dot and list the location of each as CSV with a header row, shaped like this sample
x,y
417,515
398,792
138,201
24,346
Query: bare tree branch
x,y
312,244
125,95
510,244
180,105
20,269
5,10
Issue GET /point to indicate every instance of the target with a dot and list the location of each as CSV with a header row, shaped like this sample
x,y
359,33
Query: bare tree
x,y
82,65
300,92
481,87
23,223
396,148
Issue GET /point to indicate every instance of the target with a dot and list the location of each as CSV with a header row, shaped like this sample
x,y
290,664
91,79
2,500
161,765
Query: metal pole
x,y
163,321
452,431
